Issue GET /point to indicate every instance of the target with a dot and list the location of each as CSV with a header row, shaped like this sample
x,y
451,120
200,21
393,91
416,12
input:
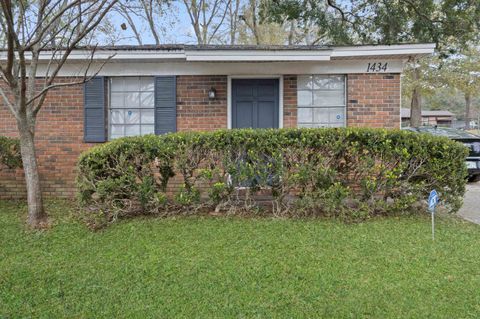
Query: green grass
x,y
230,267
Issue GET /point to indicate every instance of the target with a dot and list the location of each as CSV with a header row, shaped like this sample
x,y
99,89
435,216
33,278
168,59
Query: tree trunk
x,y
468,106
36,212
416,104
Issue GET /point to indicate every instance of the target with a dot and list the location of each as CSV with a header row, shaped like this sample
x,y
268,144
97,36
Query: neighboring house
x,y
440,118
167,88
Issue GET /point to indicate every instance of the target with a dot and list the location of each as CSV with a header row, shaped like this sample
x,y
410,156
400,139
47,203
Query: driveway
x,y
471,204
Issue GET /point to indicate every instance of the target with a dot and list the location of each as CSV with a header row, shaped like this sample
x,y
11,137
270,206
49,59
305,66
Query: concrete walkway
x,y
471,204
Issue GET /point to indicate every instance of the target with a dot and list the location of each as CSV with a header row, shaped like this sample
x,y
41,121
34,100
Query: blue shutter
x,y
165,104
94,127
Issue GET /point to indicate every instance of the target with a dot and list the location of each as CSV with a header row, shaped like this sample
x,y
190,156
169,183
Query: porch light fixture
x,y
212,94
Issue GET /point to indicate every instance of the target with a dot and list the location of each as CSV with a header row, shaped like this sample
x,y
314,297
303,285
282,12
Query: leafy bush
x,y
350,173
10,153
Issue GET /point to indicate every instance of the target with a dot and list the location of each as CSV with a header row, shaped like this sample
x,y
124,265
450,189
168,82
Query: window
x,y
131,106
321,100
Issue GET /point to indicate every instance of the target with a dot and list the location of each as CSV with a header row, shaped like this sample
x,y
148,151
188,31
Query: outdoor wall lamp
x,y
212,94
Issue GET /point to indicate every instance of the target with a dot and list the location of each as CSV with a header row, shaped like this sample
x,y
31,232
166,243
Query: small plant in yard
x,y
348,173
10,153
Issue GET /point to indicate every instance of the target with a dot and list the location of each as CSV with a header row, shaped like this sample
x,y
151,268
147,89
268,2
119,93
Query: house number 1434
x,y
377,67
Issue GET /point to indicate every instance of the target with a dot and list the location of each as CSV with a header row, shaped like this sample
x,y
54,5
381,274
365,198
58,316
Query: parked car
x,y
470,140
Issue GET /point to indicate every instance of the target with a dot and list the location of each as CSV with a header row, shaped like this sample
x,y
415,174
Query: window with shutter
x,y
136,106
131,106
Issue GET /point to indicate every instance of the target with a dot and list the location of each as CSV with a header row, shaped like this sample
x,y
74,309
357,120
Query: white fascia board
x,y
130,55
102,55
384,50
256,55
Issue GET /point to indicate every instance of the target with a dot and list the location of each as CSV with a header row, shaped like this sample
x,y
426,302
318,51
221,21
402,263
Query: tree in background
x,y
143,17
462,73
30,28
207,17
421,78
451,24
253,29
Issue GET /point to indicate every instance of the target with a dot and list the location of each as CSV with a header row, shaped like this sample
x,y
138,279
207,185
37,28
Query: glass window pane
x,y
337,115
148,117
132,130
132,99
305,115
325,94
328,82
148,129
132,117
117,85
146,84
146,99
116,117
304,82
117,100
328,98
135,95
304,98
305,125
321,115
132,84
117,130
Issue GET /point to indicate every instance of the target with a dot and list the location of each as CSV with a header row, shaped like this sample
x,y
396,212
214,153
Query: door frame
x,y
229,95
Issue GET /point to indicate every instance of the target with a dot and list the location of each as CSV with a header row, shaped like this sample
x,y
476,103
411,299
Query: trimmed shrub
x,y
353,173
10,153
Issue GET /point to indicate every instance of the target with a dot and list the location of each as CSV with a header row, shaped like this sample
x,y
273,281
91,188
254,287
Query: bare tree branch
x,y
28,28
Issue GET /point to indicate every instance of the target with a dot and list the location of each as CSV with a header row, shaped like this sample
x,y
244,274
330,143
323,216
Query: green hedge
x,y
10,153
350,173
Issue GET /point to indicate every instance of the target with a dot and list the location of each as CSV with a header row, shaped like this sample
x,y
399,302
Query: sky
x,y
175,25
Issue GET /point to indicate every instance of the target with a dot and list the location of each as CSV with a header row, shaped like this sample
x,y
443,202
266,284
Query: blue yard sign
x,y
432,202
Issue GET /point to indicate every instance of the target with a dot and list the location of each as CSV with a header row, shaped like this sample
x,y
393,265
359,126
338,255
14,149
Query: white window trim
x,y
345,76
229,95
108,105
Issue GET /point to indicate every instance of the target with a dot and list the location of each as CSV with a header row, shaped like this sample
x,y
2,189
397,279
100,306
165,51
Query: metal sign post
x,y
432,202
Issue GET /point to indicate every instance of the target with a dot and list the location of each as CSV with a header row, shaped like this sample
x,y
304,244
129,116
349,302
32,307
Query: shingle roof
x,y
406,113
262,47
171,47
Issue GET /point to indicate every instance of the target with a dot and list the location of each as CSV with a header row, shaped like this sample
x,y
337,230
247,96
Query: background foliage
x,y
9,153
348,173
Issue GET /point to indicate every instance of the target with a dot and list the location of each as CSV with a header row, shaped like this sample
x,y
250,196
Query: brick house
x,y
158,89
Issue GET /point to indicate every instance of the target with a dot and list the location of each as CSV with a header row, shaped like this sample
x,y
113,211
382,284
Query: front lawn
x,y
208,267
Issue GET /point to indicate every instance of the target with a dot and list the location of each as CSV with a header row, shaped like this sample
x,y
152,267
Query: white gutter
x,y
257,55
384,50
101,55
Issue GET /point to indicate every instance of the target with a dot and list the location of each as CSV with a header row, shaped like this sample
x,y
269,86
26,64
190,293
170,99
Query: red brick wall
x,y
373,100
58,140
289,101
195,111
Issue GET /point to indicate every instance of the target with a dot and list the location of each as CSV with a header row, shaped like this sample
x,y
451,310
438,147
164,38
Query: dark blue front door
x,y
255,103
